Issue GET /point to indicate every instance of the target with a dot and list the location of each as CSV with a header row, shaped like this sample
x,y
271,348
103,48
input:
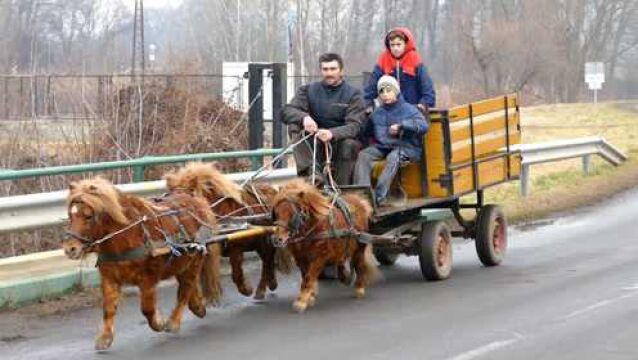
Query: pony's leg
x,y
187,285
110,300
236,255
309,285
196,303
148,303
344,274
360,268
267,256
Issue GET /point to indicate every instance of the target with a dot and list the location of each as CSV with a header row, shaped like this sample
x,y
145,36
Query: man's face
x,y
331,72
397,47
387,96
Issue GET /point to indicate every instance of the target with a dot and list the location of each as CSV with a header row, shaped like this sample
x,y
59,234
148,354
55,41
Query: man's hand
x,y
324,135
423,108
309,125
395,129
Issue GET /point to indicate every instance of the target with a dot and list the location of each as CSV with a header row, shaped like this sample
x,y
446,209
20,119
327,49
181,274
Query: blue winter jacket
x,y
415,89
413,127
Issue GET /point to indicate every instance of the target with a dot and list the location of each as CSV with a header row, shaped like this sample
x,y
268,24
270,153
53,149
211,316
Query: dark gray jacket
x,y
338,108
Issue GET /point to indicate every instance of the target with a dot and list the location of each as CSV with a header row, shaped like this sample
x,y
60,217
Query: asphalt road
x,y
568,289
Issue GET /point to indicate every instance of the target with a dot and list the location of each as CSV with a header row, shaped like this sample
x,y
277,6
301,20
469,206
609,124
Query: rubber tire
x,y
428,249
488,216
384,258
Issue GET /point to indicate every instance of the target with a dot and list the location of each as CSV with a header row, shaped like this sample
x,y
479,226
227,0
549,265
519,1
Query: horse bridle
x,y
295,223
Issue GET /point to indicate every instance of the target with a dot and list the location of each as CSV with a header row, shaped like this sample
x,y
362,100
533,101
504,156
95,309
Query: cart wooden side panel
x,y
466,149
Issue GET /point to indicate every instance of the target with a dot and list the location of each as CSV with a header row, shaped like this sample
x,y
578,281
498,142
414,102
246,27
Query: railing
x,y
35,211
566,149
138,165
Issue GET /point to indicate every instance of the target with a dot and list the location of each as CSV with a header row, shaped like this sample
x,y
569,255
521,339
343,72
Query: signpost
x,y
595,77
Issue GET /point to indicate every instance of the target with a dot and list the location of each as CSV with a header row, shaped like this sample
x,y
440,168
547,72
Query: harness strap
x,y
133,254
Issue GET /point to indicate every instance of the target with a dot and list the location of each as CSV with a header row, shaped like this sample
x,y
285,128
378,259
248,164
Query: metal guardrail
x,y
563,150
138,165
35,211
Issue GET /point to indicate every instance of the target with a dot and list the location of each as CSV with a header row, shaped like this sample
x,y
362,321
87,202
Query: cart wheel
x,y
435,252
385,258
491,235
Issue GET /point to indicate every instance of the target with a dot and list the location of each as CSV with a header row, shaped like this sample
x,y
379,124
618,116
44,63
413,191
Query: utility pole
x,y
137,70
138,57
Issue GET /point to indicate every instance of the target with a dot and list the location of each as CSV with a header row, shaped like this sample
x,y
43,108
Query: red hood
x,y
409,46
408,62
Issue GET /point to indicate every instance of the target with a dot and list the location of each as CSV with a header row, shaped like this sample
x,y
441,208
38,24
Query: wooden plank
x,y
463,153
483,126
490,172
462,112
435,162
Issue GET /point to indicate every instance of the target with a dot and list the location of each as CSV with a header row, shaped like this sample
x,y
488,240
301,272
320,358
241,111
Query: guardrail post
x,y
138,173
524,180
586,164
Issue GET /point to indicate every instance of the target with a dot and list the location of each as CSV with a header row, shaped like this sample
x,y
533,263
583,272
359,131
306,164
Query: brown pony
x,y
318,232
123,229
228,199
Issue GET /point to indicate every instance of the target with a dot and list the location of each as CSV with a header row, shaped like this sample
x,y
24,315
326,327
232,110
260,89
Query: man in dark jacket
x,y
331,109
397,128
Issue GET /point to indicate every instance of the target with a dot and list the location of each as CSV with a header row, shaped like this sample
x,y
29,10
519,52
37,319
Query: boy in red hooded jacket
x,y
401,61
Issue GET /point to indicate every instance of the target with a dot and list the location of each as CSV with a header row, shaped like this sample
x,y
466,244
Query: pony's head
x,y
203,179
90,203
296,207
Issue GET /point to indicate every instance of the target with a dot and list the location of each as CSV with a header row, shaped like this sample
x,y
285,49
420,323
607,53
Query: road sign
x,y
595,77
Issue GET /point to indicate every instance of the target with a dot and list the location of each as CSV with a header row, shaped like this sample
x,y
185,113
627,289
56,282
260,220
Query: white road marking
x,y
486,349
602,303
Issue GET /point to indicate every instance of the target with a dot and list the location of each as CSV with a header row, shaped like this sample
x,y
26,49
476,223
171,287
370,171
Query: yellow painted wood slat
x,y
462,112
482,127
463,153
490,172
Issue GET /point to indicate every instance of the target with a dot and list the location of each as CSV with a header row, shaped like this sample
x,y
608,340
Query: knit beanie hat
x,y
388,81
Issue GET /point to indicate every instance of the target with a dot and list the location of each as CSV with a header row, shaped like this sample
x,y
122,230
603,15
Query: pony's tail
x,y
210,276
370,269
283,260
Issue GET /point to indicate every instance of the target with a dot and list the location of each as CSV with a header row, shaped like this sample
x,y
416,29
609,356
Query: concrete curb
x,y
21,282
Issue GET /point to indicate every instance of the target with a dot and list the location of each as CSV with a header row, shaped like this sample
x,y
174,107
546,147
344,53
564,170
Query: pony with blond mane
x,y
318,231
228,199
123,230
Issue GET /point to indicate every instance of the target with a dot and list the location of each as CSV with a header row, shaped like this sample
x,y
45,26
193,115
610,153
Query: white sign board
x,y
595,75
235,87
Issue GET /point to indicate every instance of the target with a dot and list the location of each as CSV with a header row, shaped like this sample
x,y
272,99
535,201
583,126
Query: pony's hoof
x,y
260,295
246,290
199,311
171,327
272,286
360,293
299,306
312,301
103,342
158,325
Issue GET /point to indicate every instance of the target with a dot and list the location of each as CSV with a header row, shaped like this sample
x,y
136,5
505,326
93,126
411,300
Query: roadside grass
x,y
561,186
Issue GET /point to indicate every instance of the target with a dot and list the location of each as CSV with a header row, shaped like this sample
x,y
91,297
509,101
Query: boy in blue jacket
x,y
397,128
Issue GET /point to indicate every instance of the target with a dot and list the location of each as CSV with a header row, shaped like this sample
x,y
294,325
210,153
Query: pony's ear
x,y
73,186
93,188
